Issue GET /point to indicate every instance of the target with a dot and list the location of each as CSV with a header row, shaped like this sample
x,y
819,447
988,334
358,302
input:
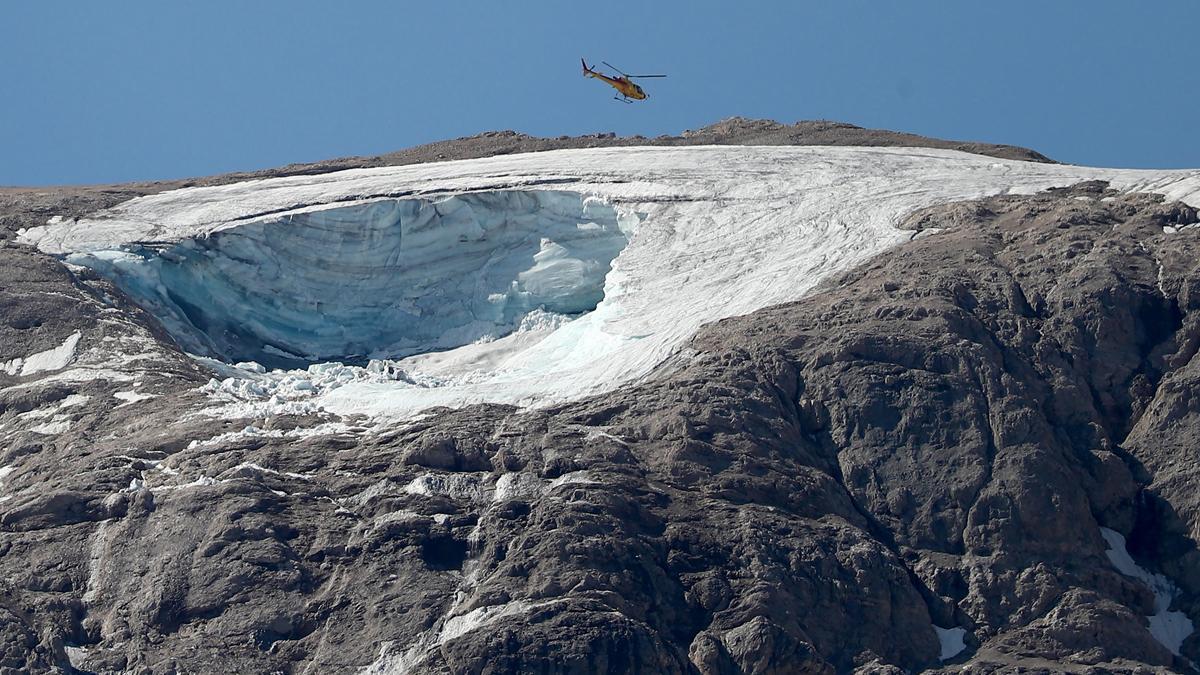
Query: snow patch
x,y
202,481
51,359
130,397
518,485
78,375
74,400
528,486
4,473
465,486
1169,628
951,640
251,432
76,656
457,626
392,661
52,428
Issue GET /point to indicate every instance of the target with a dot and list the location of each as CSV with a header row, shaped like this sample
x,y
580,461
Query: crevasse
x,y
382,279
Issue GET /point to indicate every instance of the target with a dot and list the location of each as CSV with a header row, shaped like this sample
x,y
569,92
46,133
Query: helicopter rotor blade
x,y
614,67
625,74
638,77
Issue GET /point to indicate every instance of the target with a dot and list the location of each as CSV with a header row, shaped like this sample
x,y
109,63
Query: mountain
x,y
757,399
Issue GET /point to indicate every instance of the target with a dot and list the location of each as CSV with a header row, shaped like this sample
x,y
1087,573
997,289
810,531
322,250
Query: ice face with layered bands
x,y
711,232
382,279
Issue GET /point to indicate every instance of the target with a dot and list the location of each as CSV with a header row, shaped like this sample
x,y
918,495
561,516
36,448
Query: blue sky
x,y
107,92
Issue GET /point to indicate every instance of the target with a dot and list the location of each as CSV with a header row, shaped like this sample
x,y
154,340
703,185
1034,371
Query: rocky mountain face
x,y
909,470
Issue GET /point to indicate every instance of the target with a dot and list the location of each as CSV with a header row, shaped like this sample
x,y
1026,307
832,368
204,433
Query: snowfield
x,y
522,279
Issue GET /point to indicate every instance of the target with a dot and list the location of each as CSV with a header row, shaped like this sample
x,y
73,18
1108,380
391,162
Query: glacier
x,y
383,279
521,279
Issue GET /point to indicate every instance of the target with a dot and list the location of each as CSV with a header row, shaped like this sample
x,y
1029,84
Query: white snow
x,y
76,656
518,485
257,468
76,375
457,626
951,640
4,472
56,421
52,428
130,397
74,400
631,249
52,410
525,485
51,359
251,431
392,661
1169,628
98,549
38,413
202,481
466,486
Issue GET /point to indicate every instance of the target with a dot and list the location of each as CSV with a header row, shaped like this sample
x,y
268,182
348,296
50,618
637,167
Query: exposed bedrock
x,y
386,278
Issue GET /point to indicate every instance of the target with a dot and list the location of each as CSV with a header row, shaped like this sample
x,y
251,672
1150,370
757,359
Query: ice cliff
x,y
381,279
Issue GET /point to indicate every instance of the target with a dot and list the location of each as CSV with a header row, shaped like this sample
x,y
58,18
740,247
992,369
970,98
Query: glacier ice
x,y
387,278
682,237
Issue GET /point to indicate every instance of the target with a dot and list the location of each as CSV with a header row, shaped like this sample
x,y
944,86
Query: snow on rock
x,y
51,359
53,428
249,432
434,270
393,661
1169,628
951,640
130,397
528,486
74,400
4,472
465,486
55,421
76,656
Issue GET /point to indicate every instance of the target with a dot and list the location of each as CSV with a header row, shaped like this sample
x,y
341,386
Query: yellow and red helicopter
x,y
623,83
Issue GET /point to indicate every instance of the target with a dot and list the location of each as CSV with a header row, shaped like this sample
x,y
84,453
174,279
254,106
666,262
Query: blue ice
x,y
381,279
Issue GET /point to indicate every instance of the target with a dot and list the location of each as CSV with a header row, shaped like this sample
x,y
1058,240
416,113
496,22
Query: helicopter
x,y
623,83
